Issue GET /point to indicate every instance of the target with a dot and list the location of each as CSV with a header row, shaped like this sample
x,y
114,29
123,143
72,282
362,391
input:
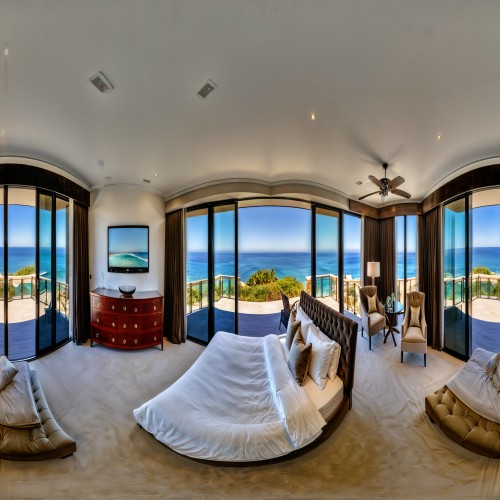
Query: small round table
x,y
391,315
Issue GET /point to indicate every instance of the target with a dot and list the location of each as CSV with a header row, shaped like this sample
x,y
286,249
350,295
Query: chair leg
x,y
425,359
370,342
401,356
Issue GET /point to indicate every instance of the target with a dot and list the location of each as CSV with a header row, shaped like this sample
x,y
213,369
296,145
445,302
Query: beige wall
x,y
121,205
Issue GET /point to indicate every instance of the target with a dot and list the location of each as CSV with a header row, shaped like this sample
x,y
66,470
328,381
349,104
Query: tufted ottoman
x,y
463,425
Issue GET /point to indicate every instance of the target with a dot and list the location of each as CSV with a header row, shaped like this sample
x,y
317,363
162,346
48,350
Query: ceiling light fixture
x,y
312,116
156,175
6,52
439,136
101,82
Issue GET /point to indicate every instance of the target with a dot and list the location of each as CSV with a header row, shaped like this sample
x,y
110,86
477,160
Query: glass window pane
x,y
352,263
62,270
327,257
411,253
22,273
197,274
2,275
400,258
224,269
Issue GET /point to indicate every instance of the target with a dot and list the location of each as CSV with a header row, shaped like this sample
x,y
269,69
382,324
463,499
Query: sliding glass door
x,y
406,256
456,278
33,317
352,263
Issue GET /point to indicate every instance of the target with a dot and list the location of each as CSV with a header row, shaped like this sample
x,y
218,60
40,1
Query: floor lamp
x,y
373,270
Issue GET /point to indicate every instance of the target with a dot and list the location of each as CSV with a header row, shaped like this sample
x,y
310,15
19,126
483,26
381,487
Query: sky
x,y
272,229
128,239
22,227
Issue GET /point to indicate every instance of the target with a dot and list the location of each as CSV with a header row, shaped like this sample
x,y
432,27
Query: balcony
x,y
22,315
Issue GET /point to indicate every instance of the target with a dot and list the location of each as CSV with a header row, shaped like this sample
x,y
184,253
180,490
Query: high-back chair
x,y
414,329
373,321
285,312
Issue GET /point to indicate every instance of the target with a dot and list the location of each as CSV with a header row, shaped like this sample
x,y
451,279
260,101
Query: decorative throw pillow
x,y
321,357
304,319
493,371
7,372
334,364
372,304
290,333
415,316
300,356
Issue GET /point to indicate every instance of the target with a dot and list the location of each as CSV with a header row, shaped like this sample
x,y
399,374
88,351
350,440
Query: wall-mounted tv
x,y
128,249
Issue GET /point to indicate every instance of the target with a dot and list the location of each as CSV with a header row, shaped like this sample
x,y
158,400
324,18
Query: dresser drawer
x,y
152,306
152,338
152,321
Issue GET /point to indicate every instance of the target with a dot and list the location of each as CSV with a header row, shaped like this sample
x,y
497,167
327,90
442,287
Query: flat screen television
x,y
128,249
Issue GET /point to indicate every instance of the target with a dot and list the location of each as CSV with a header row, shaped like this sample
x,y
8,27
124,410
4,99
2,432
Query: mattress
x,y
326,400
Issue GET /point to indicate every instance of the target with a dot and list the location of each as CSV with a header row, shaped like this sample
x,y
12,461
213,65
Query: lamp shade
x,y
373,269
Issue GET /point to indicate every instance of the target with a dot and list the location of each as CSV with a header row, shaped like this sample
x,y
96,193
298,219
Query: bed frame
x,y
344,331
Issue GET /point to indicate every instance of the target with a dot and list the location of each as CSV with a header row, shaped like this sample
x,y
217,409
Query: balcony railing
x,y
24,287
482,286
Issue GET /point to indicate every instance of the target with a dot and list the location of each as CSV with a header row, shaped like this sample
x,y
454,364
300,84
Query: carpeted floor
x,y
386,447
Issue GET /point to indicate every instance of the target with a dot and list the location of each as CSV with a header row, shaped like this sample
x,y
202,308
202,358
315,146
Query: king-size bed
x,y
240,403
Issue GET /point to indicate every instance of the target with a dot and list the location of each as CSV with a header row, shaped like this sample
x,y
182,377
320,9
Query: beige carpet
x,y
386,447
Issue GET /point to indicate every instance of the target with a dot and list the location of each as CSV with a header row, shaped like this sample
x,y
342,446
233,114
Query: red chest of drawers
x,y
122,322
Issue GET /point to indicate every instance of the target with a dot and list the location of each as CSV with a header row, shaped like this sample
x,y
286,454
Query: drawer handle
x,y
135,341
97,335
124,341
154,338
135,326
113,307
113,339
155,323
97,320
135,309
124,308
98,304
113,325
124,325
154,308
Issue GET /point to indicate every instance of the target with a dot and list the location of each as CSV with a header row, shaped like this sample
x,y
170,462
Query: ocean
x,y
20,257
136,259
298,264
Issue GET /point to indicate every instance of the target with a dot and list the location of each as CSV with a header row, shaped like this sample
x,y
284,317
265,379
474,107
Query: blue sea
x,y
20,257
298,264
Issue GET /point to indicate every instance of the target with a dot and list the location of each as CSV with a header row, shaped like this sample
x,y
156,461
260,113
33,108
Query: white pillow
x,y
321,357
334,365
7,372
305,321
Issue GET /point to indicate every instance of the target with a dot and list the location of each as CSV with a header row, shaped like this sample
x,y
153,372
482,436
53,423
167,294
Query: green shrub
x,y
11,292
271,291
481,270
25,271
262,277
193,297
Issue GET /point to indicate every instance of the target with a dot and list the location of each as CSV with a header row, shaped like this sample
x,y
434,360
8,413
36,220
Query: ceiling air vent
x,y
101,82
206,89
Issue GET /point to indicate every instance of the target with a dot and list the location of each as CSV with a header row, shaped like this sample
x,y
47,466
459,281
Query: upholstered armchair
x,y
371,322
414,329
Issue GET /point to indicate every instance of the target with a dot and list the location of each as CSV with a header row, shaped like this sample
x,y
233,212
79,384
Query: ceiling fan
x,y
387,186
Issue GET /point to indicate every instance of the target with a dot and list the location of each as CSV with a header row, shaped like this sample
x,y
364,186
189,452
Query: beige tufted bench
x,y
37,443
463,425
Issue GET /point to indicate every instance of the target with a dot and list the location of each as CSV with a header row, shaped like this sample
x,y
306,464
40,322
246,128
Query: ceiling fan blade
x,y
376,181
400,192
366,195
397,181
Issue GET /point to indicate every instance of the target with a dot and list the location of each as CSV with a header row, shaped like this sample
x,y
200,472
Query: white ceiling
x,y
383,77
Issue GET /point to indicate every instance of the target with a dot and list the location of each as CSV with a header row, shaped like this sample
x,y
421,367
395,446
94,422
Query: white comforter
x,y
474,386
238,402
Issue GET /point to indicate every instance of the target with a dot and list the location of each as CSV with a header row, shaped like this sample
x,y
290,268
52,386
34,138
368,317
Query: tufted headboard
x,y
339,328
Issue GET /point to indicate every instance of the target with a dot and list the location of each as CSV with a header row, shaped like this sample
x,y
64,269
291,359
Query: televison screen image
x,y
128,249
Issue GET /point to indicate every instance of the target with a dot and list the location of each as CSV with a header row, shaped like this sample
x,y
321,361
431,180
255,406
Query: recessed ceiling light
x,y
312,116
439,136
156,175
6,51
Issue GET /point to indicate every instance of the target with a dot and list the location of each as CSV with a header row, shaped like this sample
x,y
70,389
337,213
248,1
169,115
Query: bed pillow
x,y
321,357
290,333
300,357
7,372
415,316
304,319
334,364
493,371
372,304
